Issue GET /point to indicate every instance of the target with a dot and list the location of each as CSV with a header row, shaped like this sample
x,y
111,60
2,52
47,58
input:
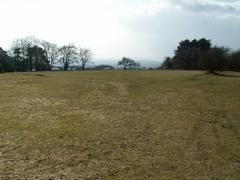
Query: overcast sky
x,y
140,29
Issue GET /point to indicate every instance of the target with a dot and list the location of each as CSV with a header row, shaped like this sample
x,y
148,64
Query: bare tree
x,y
52,53
67,55
126,63
24,43
20,48
85,56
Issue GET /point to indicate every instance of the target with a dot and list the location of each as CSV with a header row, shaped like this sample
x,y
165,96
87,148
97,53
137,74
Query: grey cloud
x,y
225,8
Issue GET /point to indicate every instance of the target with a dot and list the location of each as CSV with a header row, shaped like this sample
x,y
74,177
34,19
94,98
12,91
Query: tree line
x,y
32,54
202,55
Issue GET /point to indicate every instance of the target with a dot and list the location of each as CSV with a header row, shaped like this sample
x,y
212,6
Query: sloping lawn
x,y
119,125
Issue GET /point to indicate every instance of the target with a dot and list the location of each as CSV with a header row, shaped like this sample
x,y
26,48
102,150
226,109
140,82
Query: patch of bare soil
x,y
120,88
40,101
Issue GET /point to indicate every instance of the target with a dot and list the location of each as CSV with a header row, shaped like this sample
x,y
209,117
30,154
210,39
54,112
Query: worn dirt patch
x,y
120,88
39,101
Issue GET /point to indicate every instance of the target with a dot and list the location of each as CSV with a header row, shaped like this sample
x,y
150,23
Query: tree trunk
x,y
83,66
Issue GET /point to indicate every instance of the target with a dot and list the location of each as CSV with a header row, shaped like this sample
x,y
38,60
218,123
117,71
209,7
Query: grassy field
x,y
119,125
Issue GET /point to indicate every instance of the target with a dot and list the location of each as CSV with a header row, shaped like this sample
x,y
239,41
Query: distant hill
x,y
144,63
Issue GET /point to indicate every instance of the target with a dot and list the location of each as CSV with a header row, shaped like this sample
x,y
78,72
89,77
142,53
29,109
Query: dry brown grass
x,y
119,125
